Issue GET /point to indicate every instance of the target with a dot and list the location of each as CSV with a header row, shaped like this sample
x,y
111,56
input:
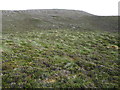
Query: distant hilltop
x,y
56,19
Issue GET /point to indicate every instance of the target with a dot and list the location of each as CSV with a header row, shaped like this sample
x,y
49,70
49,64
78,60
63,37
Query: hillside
x,y
59,49
57,19
60,59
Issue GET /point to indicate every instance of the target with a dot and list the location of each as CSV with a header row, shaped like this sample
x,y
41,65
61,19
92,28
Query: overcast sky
x,y
97,7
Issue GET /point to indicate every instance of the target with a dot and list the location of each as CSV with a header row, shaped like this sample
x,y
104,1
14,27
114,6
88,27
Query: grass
x,y
60,58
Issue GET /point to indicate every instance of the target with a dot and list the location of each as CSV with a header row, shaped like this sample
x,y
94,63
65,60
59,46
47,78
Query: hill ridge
x,y
57,19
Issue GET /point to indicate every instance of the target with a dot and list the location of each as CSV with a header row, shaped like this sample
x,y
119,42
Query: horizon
x,y
95,7
59,9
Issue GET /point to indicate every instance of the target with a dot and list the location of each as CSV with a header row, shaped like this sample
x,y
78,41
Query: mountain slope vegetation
x,y
59,49
57,19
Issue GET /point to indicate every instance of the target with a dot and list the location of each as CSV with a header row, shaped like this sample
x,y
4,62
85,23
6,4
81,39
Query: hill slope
x,y
73,50
57,19
60,59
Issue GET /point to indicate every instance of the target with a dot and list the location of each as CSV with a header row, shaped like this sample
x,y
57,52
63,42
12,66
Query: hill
x,y
59,49
57,19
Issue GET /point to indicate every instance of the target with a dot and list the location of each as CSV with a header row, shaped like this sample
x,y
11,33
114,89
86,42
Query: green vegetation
x,y
60,58
56,19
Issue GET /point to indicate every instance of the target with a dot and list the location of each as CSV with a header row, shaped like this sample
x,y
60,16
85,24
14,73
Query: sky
x,y
96,7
